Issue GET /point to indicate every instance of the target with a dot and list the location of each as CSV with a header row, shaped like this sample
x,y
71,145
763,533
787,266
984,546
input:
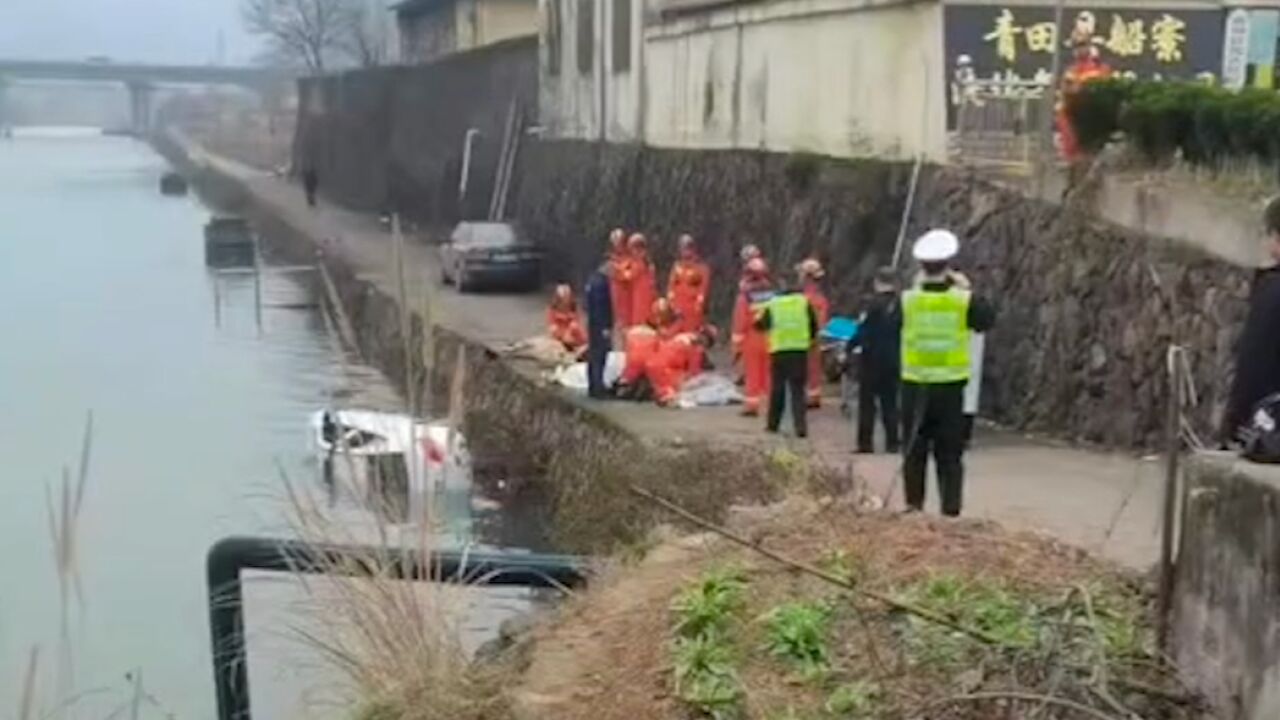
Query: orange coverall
x,y
564,324
676,359
620,289
641,280
822,309
752,345
687,290
640,344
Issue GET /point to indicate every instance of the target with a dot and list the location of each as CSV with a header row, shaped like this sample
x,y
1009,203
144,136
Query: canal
x,y
199,417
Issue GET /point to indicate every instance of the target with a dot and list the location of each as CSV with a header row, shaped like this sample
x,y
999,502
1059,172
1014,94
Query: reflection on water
x,y
200,397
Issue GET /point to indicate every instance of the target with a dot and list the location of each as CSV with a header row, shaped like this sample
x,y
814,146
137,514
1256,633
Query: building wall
x,y
590,79
500,20
827,76
391,138
463,25
835,77
427,35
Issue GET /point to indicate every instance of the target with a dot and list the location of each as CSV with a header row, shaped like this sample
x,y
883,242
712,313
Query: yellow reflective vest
x,y
789,323
935,336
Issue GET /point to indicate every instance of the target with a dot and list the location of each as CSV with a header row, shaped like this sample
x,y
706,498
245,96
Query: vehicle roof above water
x,y
486,234
396,431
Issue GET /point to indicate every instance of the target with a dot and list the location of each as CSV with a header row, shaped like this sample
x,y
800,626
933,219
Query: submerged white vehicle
x,y
390,460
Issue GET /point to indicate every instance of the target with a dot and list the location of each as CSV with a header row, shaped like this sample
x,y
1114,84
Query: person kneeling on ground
x,y
677,359
640,344
792,326
564,323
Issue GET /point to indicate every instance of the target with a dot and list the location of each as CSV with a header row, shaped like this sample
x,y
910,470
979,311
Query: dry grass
x,y
1027,587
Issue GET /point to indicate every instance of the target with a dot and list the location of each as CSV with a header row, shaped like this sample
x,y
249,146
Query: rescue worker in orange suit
x,y
688,285
747,254
750,342
640,277
811,274
619,287
677,359
1086,68
640,344
564,322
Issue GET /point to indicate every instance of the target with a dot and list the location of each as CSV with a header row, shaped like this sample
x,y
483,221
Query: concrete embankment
x,y
587,459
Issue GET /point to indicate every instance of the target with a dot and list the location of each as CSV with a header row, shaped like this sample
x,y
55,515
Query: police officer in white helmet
x,y
938,316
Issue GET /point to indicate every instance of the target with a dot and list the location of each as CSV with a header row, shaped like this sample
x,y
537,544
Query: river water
x,y
198,411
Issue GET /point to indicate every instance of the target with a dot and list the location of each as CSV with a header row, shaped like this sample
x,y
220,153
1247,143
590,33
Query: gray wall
x,y
391,138
1227,598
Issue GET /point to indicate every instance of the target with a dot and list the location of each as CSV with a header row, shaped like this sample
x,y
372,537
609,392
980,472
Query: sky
x,y
159,31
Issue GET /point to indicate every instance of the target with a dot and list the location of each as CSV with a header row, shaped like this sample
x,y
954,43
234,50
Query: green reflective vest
x,y
789,323
935,336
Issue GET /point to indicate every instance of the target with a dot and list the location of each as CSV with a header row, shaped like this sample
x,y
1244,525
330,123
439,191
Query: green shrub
x,y
797,632
1095,111
854,700
707,608
1202,123
705,677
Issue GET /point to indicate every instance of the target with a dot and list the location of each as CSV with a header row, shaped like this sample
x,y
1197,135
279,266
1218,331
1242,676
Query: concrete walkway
x,y
1102,502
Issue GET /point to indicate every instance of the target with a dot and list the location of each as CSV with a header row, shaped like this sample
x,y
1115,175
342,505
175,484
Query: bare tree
x,y
310,32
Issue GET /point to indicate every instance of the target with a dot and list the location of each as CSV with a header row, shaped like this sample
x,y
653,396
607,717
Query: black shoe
x,y
864,450
802,435
771,430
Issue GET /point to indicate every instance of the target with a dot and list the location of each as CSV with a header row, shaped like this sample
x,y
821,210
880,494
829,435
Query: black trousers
x,y
933,422
597,353
881,390
790,376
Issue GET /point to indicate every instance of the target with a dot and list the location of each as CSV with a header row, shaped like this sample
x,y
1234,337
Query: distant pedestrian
x,y
1258,353
938,317
792,326
310,184
879,362
599,307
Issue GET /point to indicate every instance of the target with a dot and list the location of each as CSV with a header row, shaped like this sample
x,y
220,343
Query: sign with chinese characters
x,y
1014,44
1235,49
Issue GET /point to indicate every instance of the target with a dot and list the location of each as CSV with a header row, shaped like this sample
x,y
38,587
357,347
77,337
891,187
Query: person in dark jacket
x,y
599,306
878,364
1258,354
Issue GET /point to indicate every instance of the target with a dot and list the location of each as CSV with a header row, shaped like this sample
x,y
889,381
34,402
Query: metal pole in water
x,y
257,285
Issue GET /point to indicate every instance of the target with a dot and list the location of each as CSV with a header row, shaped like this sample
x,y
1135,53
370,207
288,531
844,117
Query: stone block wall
x,y
1226,624
1085,321
392,138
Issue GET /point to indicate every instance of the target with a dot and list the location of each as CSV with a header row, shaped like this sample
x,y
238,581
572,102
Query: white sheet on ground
x,y
708,390
574,376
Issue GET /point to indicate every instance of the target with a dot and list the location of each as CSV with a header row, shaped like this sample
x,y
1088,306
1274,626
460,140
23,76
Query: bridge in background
x,y
140,79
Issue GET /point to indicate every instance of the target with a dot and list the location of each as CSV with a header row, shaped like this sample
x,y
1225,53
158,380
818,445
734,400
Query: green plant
x,y
797,632
707,608
854,699
705,676
844,565
977,603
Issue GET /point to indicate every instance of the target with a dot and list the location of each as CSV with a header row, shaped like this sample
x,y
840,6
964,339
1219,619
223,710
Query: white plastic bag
x,y
708,390
574,376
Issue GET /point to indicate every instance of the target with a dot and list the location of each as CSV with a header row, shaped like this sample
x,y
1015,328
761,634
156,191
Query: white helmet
x,y
936,246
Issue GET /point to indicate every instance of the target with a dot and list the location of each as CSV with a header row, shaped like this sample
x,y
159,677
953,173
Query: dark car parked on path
x,y
489,255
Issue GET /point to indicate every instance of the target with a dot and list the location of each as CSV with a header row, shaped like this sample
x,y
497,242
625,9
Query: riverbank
x,y
1106,503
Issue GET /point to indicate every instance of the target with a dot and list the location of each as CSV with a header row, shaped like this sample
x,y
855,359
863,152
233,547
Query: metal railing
x,y
1000,123
230,556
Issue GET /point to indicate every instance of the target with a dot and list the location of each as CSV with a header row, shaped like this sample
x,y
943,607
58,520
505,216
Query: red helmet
x,y
637,240
757,267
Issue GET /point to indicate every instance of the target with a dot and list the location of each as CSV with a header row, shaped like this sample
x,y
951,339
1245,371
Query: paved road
x,y
1103,502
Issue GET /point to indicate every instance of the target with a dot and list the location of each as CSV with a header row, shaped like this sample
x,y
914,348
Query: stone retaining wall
x,y
1080,349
